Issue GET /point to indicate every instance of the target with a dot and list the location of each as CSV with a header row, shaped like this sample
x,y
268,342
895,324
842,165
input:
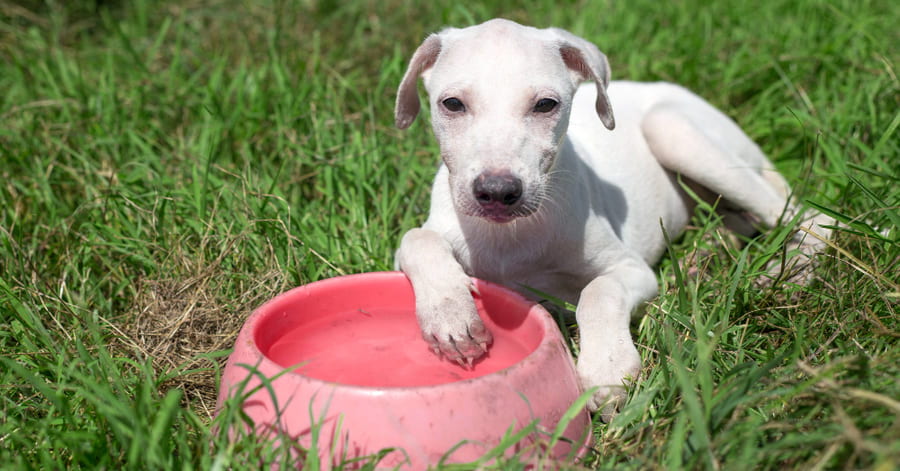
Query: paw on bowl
x,y
350,365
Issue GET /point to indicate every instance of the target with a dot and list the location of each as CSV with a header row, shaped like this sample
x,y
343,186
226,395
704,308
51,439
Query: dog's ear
x,y
588,63
407,107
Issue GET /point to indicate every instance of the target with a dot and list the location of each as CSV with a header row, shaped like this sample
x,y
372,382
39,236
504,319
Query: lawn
x,y
167,166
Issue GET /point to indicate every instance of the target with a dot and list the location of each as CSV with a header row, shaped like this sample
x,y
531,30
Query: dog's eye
x,y
454,105
545,105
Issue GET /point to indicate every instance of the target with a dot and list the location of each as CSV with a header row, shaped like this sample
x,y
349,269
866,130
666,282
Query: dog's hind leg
x,y
705,146
727,163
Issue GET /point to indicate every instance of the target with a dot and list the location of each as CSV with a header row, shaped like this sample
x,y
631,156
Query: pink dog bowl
x,y
363,375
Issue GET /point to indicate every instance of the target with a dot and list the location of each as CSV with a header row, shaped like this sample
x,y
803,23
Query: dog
x,y
555,178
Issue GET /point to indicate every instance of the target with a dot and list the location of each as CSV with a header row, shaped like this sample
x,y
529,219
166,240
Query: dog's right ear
x,y
407,106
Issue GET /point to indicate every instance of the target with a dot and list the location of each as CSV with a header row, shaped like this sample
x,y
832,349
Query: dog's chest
x,y
518,267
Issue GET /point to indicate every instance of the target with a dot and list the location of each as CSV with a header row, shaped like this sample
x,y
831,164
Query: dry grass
x,y
184,323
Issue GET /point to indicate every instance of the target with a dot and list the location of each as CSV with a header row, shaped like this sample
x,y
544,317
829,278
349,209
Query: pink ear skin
x,y
583,58
599,73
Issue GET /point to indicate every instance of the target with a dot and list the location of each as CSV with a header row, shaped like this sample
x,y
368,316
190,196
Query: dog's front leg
x,y
608,357
444,306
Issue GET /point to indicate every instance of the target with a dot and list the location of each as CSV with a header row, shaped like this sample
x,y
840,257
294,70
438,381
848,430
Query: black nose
x,y
494,189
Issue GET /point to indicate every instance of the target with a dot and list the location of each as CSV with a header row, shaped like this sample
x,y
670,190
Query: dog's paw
x,y
799,269
802,251
450,323
609,372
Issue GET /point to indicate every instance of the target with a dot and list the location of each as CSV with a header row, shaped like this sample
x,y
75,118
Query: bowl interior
x,y
361,330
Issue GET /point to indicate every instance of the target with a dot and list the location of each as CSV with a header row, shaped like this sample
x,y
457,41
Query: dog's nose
x,y
497,189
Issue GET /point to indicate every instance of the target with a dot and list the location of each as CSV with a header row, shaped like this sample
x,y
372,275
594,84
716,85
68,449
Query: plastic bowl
x,y
364,380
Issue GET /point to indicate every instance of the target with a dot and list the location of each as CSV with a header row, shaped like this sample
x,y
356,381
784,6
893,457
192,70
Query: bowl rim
x,y
550,333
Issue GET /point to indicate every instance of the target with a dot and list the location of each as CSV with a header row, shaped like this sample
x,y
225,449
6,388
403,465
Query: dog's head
x,y
501,94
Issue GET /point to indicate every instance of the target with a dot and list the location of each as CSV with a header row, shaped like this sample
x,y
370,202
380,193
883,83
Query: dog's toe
x,y
462,349
451,325
609,373
473,346
607,402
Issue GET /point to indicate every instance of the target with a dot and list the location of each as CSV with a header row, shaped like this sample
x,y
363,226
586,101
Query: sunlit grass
x,y
168,166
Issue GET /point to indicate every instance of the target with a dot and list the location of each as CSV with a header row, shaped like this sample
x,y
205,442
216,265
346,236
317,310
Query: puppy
x,y
564,186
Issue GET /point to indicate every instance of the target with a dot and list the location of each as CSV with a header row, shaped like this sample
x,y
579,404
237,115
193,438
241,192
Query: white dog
x,y
535,191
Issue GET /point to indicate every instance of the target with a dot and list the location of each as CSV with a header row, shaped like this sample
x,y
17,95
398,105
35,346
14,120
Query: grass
x,y
167,166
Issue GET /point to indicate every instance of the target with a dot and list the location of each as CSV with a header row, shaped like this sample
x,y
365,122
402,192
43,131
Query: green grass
x,y
167,166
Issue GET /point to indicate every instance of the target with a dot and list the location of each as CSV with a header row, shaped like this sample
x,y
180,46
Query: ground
x,y
168,166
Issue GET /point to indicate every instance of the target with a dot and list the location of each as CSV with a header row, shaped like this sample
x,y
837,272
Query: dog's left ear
x,y
407,107
588,63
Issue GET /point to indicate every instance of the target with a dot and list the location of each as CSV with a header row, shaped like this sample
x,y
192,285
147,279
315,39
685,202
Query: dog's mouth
x,y
499,218
500,214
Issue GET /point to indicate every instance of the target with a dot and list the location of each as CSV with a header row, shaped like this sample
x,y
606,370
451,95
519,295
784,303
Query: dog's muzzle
x,y
499,195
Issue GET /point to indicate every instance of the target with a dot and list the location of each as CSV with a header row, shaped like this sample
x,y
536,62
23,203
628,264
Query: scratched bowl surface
x,y
357,364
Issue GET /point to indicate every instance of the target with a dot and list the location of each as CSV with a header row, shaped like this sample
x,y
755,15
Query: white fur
x,y
587,227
